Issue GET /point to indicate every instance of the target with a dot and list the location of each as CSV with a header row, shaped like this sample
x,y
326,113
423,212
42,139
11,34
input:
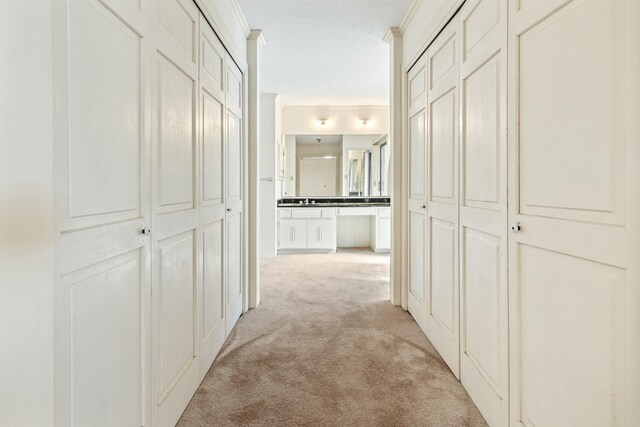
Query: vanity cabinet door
x,y
320,234
293,234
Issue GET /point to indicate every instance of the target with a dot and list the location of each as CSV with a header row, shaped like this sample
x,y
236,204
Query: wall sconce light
x,y
364,122
323,122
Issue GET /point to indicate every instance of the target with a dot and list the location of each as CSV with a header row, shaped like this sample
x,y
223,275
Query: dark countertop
x,y
333,202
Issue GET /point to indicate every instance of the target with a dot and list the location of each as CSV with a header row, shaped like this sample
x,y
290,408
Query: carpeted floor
x,y
327,348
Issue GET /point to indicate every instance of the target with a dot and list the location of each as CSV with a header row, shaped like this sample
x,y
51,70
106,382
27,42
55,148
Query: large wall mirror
x,y
334,165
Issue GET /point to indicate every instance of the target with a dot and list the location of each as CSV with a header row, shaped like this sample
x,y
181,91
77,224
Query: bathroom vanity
x,y
323,224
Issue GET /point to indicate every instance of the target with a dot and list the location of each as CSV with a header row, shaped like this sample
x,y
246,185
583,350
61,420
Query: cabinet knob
x,y
424,206
516,227
145,231
229,209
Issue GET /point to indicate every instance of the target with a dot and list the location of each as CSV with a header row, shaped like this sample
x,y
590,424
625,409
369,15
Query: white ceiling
x,y
313,139
327,52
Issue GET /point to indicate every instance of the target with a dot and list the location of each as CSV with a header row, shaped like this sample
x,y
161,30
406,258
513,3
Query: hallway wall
x,y
26,210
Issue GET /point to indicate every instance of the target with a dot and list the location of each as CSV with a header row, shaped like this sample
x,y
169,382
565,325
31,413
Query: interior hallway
x,y
327,348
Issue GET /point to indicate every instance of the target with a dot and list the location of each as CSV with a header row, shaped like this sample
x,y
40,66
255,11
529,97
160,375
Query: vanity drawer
x,y
357,211
284,213
306,213
328,213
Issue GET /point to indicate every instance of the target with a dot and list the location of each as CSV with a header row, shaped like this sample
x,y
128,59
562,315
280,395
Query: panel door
x,y
417,126
101,175
574,262
211,320
416,160
234,187
320,234
176,235
293,234
442,193
484,369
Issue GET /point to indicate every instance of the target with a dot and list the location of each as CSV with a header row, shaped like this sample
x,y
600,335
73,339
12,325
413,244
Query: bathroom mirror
x,y
334,166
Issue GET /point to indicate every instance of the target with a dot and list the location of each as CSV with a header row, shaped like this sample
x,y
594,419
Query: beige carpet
x,y
327,348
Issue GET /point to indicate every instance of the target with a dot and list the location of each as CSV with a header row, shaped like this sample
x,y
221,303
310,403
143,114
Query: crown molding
x,y
415,4
241,18
257,35
393,33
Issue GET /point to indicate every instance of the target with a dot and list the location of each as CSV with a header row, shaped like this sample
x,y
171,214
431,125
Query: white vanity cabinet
x,y
321,234
293,234
310,229
317,229
381,231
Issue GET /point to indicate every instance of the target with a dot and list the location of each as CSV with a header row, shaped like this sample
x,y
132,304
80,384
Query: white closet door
x,y
574,265
102,181
416,160
234,190
484,369
212,327
176,238
442,192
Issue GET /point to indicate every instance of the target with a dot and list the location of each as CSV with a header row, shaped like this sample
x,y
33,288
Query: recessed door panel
x,y
176,309
417,155
177,19
212,297
443,148
417,234
484,300
581,143
234,271
417,86
105,115
234,153
176,136
212,149
482,136
478,25
443,272
107,317
570,347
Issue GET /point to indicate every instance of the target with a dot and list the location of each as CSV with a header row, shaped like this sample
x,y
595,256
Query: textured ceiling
x,y
327,52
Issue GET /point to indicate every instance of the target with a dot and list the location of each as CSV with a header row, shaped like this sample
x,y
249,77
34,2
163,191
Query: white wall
x,y
268,169
341,120
26,211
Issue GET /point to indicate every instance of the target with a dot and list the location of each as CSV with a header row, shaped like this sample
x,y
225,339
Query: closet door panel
x,y
176,233
573,273
442,196
101,180
235,183
484,349
212,196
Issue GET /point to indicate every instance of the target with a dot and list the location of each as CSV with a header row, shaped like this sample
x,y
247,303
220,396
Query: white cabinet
x,y
381,231
320,234
293,234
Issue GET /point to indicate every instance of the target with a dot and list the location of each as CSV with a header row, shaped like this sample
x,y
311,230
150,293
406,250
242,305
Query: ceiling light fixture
x,y
364,122
319,139
322,121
